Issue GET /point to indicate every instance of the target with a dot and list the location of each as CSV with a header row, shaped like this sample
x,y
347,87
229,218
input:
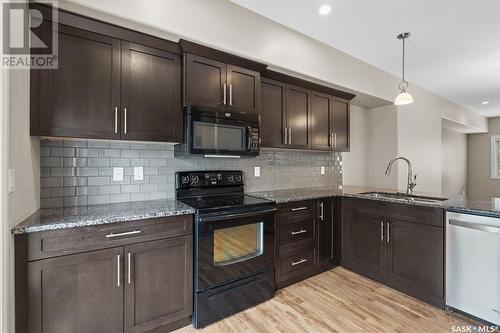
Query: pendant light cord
x,y
404,59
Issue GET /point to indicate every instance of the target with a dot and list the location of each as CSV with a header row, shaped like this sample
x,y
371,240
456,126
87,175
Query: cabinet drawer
x,y
297,263
294,211
66,241
295,232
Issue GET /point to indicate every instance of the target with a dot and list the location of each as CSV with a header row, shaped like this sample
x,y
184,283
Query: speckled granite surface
x,y
464,204
61,218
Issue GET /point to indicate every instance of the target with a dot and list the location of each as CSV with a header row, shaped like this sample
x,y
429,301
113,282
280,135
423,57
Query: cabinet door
x,y
158,283
340,125
151,94
76,293
243,90
298,104
273,113
363,248
78,99
415,261
204,82
319,121
325,232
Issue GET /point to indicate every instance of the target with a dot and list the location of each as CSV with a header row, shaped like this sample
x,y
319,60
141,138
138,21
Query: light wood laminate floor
x,y
338,301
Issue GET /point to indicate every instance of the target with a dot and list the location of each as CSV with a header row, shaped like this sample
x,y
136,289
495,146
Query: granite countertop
x,y
61,218
458,203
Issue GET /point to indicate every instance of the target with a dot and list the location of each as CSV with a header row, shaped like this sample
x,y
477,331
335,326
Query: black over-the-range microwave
x,y
215,133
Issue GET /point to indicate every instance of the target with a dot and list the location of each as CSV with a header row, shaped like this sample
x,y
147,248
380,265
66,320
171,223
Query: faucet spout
x,y
411,179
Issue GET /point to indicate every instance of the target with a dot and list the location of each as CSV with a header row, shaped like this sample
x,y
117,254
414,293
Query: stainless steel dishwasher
x,y
473,265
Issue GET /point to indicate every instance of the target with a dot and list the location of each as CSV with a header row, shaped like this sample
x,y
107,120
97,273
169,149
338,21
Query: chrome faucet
x,y
411,179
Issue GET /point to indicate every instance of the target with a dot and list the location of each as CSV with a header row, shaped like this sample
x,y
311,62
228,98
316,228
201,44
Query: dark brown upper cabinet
x,y
303,115
220,80
298,107
320,121
111,83
151,94
205,82
273,113
340,125
214,84
82,97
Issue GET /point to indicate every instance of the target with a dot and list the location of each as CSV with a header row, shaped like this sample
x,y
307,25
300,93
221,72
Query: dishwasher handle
x,y
475,226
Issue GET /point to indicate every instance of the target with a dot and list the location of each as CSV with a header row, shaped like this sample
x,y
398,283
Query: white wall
x,y
480,182
454,162
356,172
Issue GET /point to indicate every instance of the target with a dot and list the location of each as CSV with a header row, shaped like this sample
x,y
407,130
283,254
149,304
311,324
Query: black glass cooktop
x,y
224,202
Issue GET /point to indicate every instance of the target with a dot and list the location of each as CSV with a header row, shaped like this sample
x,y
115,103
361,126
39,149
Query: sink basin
x,y
405,197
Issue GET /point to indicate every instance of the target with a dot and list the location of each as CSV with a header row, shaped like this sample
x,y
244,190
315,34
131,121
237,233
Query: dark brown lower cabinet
x,y
121,279
308,239
328,233
76,293
158,283
399,245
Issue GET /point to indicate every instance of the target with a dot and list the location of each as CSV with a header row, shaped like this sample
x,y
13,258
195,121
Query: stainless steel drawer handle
x,y
301,261
322,215
299,232
298,208
116,119
135,232
125,121
476,226
388,232
382,231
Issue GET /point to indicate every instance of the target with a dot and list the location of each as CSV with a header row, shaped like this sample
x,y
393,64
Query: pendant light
x,y
403,97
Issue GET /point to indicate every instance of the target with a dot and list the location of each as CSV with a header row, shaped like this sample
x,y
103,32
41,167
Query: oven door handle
x,y
232,216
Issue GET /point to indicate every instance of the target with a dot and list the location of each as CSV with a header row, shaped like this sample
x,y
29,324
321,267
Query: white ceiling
x,y
454,50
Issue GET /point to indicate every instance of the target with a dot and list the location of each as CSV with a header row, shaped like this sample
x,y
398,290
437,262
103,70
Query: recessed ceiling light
x,y
485,102
325,9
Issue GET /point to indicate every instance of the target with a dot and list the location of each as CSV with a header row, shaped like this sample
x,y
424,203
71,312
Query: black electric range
x,y
233,244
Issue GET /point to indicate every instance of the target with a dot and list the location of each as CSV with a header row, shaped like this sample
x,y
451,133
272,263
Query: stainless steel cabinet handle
x,y
224,94
321,209
116,119
112,235
382,231
299,232
118,270
129,257
301,261
335,140
285,131
230,94
476,226
388,232
124,120
298,208
290,135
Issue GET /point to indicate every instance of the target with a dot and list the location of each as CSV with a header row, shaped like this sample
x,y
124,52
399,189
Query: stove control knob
x,y
195,180
185,179
230,178
238,178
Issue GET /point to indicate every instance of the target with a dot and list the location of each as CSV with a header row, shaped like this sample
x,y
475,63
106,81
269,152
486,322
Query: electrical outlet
x,y
322,170
256,171
117,174
11,185
138,173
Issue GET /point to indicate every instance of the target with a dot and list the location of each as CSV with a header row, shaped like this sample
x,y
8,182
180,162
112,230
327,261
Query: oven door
x,y
220,136
233,246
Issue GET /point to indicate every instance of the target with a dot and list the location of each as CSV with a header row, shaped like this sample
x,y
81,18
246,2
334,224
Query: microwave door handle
x,y
249,138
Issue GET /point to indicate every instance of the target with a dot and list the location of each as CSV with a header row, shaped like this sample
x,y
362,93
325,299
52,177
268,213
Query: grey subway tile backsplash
x,y
80,172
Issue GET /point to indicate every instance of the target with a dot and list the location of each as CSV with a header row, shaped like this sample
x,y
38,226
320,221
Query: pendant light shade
x,y
403,97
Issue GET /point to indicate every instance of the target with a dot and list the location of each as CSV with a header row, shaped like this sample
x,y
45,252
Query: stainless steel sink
x,y
405,197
